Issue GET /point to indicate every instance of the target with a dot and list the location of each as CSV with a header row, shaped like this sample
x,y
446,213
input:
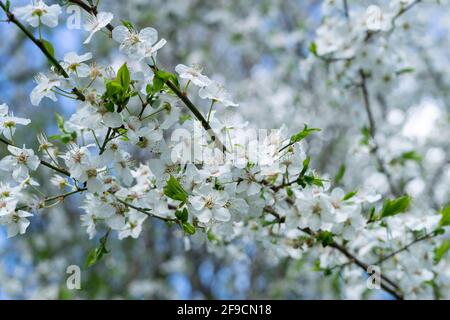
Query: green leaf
x,y
96,254
60,122
300,136
184,118
340,174
113,87
365,140
405,70
349,195
440,251
167,76
407,156
54,137
303,134
445,219
127,24
182,215
109,106
313,48
312,180
123,76
188,228
174,190
325,237
65,136
49,47
211,236
305,163
158,84
372,216
395,206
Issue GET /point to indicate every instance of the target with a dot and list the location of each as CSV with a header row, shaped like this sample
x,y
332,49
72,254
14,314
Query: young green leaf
x,y
303,134
123,76
188,228
158,84
300,136
49,47
182,215
325,237
407,156
395,206
349,195
440,251
405,70
127,24
96,254
174,190
167,76
445,219
340,174
313,48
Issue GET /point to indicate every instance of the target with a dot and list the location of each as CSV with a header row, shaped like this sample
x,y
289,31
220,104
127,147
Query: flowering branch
x,y
43,162
183,97
42,47
59,197
352,258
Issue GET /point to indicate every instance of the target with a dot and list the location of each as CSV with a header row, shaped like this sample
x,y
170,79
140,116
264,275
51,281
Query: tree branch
x,y
43,162
386,284
372,131
42,47
170,84
145,211
59,197
346,11
205,124
406,247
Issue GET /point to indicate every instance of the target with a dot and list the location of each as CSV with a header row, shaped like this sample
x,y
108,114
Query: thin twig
x,y
59,197
406,247
386,284
346,12
43,162
372,132
42,47
183,97
145,211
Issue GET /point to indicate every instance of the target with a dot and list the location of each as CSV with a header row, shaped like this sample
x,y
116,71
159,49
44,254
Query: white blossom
x,y
38,12
96,23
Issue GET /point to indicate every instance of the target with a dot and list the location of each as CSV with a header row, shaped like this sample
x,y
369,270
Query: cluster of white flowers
x,y
123,114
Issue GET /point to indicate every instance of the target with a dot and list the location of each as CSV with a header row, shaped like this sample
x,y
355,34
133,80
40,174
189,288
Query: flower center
x,y
171,169
316,209
134,38
92,173
22,158
209,203
39,12
9,124
73,66
77,156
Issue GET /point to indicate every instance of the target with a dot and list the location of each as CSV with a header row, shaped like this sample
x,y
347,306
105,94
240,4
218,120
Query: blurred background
x,y
260,50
